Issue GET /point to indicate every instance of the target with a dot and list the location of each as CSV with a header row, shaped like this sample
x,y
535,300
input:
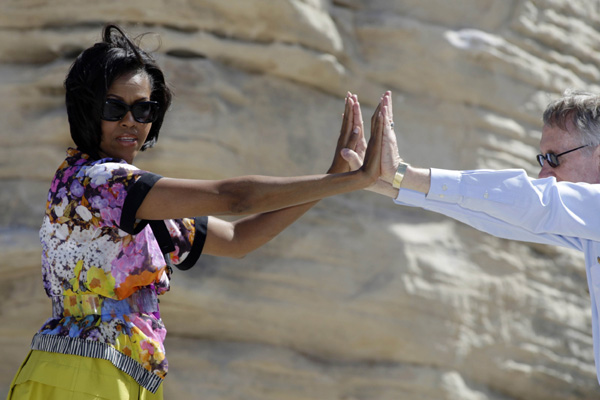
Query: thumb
x,y
351,158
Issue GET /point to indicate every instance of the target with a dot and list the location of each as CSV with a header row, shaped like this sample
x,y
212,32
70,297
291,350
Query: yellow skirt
x,y
54,376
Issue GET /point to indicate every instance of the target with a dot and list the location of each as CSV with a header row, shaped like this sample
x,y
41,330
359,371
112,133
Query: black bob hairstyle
x,y
92,74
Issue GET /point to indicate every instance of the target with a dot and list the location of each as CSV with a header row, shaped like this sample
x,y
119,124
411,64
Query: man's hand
x,y
390,159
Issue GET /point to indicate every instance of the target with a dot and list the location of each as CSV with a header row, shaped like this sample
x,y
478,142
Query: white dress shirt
x,y
511,205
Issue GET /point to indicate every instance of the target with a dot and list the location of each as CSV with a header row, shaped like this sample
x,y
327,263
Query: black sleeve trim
x,y
162,236
201,224
135,197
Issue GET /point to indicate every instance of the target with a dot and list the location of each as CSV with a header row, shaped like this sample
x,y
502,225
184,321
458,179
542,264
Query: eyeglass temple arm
x,y
568,151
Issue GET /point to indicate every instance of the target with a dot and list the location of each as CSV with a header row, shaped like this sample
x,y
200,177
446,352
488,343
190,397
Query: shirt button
x,y
486,195
444,187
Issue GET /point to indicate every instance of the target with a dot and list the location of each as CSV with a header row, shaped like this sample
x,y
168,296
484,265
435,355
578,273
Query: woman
x,y
111,232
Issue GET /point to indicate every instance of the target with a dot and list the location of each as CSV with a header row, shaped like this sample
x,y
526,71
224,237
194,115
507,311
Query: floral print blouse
x,y
103,269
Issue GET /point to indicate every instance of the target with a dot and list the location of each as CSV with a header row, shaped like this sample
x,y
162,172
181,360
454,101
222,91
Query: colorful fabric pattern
x,y
92,260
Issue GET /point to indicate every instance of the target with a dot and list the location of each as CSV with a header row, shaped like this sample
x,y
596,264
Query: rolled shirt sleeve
x,y
511,205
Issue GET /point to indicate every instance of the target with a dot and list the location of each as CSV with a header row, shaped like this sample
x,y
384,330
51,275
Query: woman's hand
x,y
372,161
351,137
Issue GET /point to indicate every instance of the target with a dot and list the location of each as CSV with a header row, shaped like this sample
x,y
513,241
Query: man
x,y
559,208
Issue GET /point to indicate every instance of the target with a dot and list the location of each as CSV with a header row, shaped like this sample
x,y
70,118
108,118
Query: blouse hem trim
x,y
87,348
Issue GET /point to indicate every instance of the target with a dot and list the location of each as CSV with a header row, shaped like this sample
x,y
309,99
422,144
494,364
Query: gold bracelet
x,y
399,175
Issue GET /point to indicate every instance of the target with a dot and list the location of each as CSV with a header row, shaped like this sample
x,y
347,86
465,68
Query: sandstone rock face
x,y
360,299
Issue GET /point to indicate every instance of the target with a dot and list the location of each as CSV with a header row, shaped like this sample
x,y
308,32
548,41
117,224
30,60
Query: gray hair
x,y
582,109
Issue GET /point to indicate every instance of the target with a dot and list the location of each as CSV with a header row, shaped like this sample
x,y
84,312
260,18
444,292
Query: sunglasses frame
x,y
155,106
553,158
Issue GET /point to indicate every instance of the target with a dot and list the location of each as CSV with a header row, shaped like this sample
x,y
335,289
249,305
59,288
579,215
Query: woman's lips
x,y
127,140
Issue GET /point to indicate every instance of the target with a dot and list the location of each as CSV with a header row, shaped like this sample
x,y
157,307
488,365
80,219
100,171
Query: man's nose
x,y
545,171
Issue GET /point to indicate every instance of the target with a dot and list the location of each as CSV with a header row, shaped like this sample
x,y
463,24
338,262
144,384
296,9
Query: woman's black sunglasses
x,y
553,158
143,112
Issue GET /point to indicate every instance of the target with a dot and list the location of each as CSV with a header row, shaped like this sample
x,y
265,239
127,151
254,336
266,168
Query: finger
x,y
347,107
389,155
347,119
353,159
344,116
349,128
372,162
358,119
357,113
361,144
387,102
387,120
357,124
388,95
377,143
354,138
388,133
374,117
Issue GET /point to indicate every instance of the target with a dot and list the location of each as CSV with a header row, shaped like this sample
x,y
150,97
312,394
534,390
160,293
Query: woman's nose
x,y
128,119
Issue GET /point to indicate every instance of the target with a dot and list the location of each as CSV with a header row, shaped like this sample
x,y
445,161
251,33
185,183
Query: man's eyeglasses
x,y
553,158
143,112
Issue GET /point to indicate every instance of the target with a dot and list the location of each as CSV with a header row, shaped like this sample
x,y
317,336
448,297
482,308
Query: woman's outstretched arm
x,y
278,201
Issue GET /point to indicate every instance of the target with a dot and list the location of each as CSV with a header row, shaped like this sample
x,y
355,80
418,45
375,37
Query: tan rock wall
x,y
360,299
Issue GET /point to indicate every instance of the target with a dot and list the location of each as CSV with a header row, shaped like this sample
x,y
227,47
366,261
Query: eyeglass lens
x,y
550,157
143,112
553,158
